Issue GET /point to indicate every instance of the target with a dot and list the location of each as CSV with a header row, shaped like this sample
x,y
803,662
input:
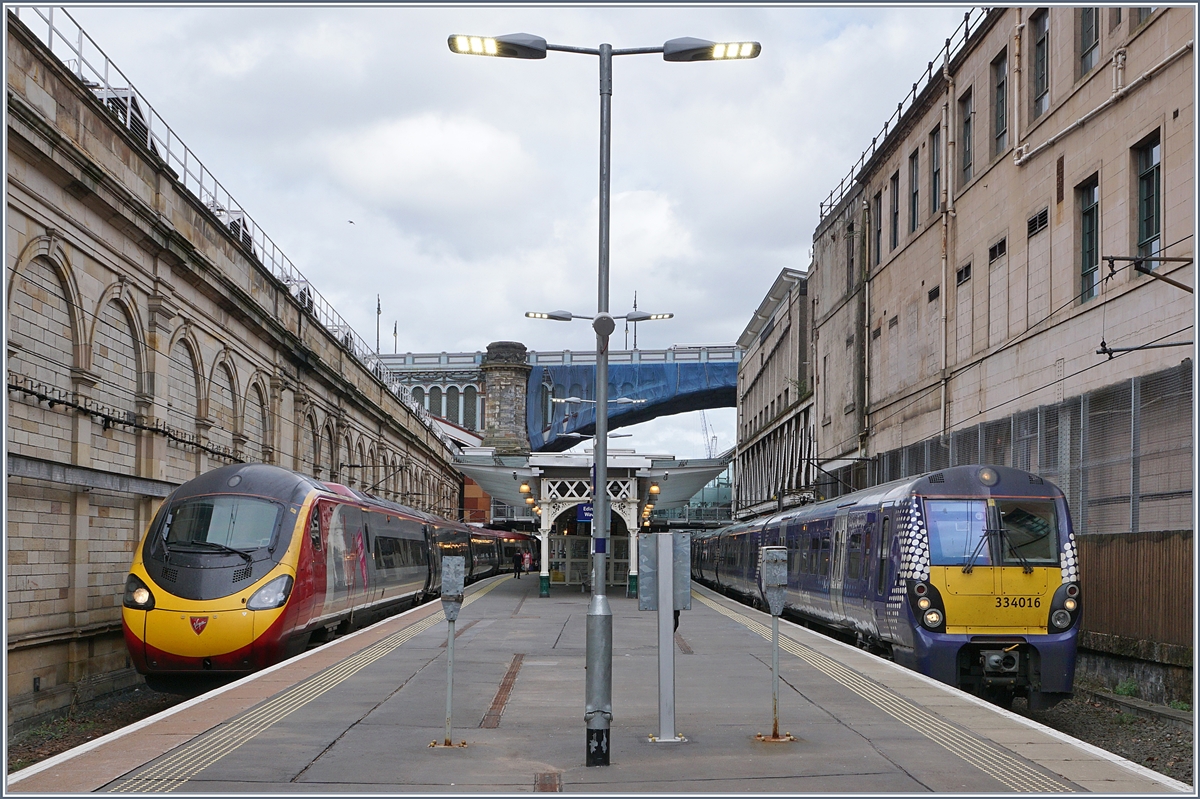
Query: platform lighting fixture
x,y
524,488
654,489
528,500
598,646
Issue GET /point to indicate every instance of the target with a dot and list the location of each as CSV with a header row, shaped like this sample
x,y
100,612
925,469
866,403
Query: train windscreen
x,y
1012,532
229,521
957,531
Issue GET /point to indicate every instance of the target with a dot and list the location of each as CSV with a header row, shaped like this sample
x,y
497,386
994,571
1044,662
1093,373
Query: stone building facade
x,y
146,343
975,298
774,465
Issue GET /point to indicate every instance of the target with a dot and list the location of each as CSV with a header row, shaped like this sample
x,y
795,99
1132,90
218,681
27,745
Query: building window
x,y
1089,238
962,275
1000,104
966,112
1149,205
914,187
878,225
1139,15
935,170
849,258
895,227
998,249
1114,19
1041,63
1038,222
1089,39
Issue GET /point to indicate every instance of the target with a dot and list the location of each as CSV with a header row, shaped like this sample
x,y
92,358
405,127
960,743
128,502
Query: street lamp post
x,y
598,713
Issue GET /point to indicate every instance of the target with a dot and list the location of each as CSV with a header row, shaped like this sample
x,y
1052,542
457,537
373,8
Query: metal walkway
x,y
359,714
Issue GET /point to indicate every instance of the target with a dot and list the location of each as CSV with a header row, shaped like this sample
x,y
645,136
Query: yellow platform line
x,y
1016,774
192,758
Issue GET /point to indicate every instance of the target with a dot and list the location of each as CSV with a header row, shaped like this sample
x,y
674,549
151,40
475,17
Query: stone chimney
x,y
506,377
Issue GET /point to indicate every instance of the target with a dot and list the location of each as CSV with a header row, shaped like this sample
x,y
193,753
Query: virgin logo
x,y
199,623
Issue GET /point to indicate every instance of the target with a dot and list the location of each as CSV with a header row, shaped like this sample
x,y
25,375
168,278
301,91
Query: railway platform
x,y
358,715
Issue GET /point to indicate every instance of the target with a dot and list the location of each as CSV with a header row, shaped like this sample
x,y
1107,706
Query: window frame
x,y
1088,41
1000,103
1087,197
895,209
966,113
1147,162
935,169
878,225
914,191
1040,54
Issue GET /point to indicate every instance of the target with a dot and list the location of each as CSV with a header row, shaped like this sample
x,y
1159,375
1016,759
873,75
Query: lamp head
x,y
691,49
510,45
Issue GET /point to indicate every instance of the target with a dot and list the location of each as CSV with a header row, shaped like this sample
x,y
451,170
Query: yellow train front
x,y
246,565
214,585
967,575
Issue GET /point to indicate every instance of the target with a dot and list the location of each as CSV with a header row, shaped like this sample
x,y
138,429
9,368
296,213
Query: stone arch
x,y
184,389
221,406
256,424
48,252
328,452
345,455
358,474
114,358
310,445
42,328
119,295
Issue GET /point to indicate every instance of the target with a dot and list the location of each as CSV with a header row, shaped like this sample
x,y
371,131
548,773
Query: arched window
x,y
418,395
310,445
182,401
470,408
452,396
435,401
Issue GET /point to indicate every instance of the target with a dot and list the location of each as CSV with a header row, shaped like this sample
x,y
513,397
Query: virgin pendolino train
x,y
249,564
968,575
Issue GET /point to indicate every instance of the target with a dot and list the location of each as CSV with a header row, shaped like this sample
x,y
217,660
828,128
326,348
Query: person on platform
x,y
518,560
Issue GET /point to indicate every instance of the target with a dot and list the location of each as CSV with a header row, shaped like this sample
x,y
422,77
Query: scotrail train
x,y
968,575
246,565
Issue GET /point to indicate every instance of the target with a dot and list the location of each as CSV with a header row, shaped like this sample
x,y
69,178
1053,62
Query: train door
x,y
837,572
345,564
884,573
433,554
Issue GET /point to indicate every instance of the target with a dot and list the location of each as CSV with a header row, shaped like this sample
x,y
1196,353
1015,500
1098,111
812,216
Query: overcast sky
x,y
472,182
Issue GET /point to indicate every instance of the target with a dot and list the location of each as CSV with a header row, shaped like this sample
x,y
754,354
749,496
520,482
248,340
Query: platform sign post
x,y
453,580
774,588
664,585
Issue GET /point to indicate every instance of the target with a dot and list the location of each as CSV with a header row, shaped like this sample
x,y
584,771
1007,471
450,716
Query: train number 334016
x,y
1018,601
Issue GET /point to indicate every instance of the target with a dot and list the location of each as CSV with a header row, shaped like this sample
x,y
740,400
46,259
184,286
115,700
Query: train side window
x,y
854,562
885,546
314,530
825,555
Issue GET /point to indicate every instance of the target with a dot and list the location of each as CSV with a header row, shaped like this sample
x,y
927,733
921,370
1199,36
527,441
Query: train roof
x,y
250,478
951,481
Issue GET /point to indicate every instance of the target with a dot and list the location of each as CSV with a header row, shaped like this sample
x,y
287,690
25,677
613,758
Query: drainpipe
x,y
1116,97
947,199
1016,103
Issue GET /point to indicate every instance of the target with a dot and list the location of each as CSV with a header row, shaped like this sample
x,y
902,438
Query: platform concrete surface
x,y
359,715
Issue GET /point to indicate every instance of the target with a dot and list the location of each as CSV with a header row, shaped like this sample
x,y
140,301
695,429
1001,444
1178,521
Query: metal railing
x,y
80,54
953,46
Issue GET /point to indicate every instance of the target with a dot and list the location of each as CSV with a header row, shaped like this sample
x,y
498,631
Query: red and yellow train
x,y
248,564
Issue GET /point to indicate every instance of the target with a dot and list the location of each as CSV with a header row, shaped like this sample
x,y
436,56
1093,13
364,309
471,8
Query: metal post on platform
x,y
666,637
774,587
453,581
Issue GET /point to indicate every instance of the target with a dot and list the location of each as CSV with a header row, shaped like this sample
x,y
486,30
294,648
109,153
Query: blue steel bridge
x,y
670,381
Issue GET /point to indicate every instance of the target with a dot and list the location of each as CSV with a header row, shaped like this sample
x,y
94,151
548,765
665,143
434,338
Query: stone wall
x,y
146,345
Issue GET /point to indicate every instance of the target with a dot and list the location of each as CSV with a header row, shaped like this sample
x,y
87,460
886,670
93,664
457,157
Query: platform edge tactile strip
x,y
184,763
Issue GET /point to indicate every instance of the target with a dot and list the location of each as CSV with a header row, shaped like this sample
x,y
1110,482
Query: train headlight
x,y
1070,604
1060,619
988,476
271,595
932,617
923,603
137,595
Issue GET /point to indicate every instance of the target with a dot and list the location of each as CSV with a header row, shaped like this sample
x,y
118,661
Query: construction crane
x,y
710,437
